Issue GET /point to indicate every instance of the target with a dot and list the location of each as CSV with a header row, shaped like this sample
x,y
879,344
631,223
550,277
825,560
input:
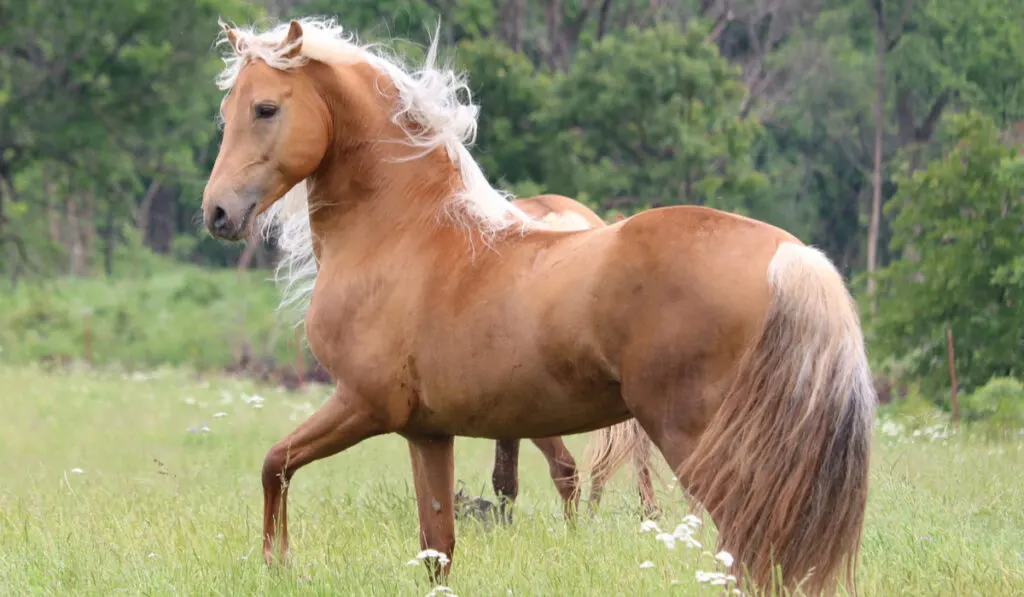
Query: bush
x,y
1000,402
176,315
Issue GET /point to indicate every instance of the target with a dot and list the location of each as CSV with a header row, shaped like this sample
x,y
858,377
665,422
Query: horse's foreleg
x,y
563,472
433,471
506,476
343,421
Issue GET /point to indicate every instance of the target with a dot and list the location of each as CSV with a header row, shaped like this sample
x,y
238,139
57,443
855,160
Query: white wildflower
x,y
432,553
219,415
77,471
190,401
692,521
725,558
667,539
893,429
648,526
647,564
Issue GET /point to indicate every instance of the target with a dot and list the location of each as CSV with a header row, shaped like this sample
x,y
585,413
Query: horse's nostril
x,y
220,219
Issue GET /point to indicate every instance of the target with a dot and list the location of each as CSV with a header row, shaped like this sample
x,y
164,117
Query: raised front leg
x,y
433,472
562,466
342,422
506,476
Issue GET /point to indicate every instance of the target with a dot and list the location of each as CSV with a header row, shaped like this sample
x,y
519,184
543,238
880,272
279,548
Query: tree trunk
x,y
142,213
876,197
162,219
108,241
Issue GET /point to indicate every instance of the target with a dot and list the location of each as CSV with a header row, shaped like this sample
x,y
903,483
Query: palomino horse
x,y
611,444
444,310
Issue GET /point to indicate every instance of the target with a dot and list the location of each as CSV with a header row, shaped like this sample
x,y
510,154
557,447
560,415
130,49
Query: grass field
x,y
149,485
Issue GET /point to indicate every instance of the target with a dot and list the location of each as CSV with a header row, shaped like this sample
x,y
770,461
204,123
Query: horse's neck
x,y
363,208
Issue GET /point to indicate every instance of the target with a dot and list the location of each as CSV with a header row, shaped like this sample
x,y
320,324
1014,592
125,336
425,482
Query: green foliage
x,y
160,313
1000,402
962,215
510,92
651,117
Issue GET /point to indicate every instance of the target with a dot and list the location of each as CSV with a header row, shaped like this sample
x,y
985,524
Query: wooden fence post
x,y
952,378
87,338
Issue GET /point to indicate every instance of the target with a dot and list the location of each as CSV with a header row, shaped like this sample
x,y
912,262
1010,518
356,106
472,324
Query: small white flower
x,y
220,535
77,471
257,405
219,415
647,564
190,401
648,526
667,539
692,521
432,553
725,558
413,563
152,555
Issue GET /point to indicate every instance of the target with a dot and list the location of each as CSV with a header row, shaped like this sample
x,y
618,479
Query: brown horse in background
x,y
612,445
444,310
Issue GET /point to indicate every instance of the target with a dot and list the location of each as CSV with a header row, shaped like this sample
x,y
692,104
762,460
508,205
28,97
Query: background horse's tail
x,y
783,466
607,451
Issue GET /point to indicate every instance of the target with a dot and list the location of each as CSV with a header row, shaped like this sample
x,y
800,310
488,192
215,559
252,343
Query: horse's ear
x,y
232,36
293,41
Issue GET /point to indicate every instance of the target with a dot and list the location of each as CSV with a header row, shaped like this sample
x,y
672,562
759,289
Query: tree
x,y
965,212
651,117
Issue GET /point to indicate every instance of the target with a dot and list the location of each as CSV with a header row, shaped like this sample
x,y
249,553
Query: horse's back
x,y
561,212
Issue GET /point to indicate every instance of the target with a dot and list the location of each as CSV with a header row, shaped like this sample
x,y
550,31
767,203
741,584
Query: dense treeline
x,y
880,130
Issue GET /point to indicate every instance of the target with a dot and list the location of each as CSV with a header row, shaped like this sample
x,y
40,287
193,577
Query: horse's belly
x,y
523,406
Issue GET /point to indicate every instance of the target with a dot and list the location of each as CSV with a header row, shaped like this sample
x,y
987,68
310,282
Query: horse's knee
x,y
275,467
565,475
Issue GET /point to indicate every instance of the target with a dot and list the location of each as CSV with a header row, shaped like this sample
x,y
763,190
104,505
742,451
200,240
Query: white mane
x,y
429,97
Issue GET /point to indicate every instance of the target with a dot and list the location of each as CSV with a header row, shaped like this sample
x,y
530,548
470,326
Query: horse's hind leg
x,y
642,464
506,476
342,422
433,471
563,472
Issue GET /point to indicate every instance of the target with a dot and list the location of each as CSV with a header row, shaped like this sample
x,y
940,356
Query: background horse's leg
x,y
342,422
506,476
433,471
563,472
642,465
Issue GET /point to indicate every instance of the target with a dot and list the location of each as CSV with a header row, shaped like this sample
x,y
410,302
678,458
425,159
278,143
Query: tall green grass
x,y
149,484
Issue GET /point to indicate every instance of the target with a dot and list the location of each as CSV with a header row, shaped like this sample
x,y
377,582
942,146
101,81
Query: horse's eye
x,y
265,110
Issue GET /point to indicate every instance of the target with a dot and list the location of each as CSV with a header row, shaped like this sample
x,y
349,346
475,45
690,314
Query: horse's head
x,y
306,101
276,130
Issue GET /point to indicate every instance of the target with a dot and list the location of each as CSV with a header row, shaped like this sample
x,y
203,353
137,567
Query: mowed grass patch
x,y
168,501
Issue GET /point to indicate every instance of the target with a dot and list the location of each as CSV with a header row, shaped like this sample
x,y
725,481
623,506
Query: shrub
x,y
1000,402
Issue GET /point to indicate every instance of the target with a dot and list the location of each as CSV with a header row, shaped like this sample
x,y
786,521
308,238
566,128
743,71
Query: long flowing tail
x,y
783,466
607,451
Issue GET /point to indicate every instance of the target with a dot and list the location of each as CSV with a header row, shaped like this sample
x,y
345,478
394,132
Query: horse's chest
x,y
342,332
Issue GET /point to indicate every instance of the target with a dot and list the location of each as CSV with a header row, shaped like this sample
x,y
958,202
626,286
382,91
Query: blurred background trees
x,y
883,131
